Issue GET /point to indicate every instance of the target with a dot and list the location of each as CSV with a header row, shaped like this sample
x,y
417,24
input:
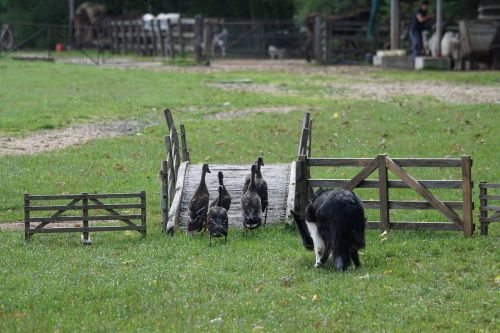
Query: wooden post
x,y
207,41
85,203
395,24
181,40
164,202
185,151
383,190
439,25
467,195
26,216
318,47
143,213
170,37
483,202
309,147
198,31
302,191
161,37
171,171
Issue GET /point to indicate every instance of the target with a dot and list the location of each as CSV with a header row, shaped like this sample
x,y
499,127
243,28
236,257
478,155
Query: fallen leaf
x,y
383,239
259,288
387,272
128,233
335,115
366,276
258,328
220,143
497,279
383,234
315,298
218,319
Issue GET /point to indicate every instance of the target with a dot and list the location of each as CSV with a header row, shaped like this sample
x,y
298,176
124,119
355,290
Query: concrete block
x,y
443,63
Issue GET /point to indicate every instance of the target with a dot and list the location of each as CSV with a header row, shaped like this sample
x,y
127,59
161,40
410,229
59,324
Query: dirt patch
x,y
241,113
251,87
445,92
42,141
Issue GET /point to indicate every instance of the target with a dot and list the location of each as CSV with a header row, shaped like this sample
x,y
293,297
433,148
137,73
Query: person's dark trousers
x,y
416,44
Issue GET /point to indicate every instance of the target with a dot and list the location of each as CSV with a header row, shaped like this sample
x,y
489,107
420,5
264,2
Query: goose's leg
x,y
265,217
209,240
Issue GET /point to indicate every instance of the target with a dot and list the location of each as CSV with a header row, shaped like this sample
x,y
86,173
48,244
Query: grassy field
x,y
410,281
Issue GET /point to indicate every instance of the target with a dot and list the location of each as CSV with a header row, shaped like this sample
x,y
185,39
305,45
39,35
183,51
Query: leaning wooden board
x,y
276,175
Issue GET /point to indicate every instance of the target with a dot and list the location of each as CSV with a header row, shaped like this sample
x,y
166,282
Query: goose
x,y
226,197
251,204
217,219
260,185
198,205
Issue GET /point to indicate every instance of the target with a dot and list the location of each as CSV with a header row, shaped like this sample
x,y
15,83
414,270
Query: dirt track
x,y
69,136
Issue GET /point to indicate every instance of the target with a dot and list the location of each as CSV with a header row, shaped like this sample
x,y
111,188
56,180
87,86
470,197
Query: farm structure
x,y
291,185
488,213
383,163
91,207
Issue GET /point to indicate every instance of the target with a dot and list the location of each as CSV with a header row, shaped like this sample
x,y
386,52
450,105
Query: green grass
x,y
413,281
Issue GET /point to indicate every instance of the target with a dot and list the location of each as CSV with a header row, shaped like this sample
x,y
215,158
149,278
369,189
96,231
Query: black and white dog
x,y
334,227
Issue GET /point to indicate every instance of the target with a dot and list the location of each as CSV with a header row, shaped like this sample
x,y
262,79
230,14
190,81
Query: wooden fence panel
x,y
488,213
86,217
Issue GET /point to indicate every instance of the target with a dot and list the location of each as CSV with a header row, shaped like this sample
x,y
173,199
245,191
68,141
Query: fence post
x,y
162,39
164,203
26,216
198,31
383,190
85,204
483,192
181,40
185,150
207,41
143,213
170,37
467,195
317,40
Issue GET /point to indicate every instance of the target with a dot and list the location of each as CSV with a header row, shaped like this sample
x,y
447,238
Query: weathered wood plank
x,y
88,229
175,207
367,171
367,183
489,197
468,224
401,204
489,219
483,201
383,191
82,218
80,207
290,202
488,185
490,208
403,162
444,226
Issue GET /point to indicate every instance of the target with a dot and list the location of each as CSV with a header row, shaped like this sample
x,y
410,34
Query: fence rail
x,y
384,165
86,215
488,213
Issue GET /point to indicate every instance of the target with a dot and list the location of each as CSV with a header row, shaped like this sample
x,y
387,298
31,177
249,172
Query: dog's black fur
x,y
339,219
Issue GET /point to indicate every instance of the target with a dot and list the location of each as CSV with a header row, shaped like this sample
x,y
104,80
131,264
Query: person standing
x,y
416,28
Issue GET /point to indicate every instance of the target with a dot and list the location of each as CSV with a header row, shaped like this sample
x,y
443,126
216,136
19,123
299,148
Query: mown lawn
x,y
410,281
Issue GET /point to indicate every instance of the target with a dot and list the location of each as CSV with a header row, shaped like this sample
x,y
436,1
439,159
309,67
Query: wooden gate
x,y
91,206
395,166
